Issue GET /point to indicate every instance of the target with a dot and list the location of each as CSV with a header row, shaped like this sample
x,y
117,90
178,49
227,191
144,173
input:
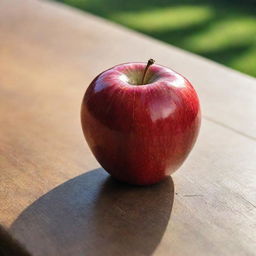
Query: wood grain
x,y
51,196
93,214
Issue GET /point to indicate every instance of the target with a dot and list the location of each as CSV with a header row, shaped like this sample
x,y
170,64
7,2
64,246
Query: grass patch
x,y
222,30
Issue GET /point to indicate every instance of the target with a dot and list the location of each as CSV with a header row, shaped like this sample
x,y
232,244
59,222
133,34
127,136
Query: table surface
x,y
54,196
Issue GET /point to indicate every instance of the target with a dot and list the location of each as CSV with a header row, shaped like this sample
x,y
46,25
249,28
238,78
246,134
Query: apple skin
x,y
140,134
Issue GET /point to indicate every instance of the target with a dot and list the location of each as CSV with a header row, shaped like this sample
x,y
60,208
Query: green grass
x,y
222,30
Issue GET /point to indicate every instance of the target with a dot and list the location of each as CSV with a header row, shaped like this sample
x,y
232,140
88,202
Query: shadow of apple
x,y
92,214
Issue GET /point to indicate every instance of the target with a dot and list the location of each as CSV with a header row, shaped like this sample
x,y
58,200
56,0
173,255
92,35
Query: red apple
x,y
140,121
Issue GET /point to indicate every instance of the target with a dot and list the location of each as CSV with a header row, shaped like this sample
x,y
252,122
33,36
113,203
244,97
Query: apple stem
x,y
150,62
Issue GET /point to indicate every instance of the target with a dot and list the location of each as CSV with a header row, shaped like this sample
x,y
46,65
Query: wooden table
x,y
53,195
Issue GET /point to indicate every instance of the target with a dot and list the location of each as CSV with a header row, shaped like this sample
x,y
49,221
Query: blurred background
x,y
221,30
